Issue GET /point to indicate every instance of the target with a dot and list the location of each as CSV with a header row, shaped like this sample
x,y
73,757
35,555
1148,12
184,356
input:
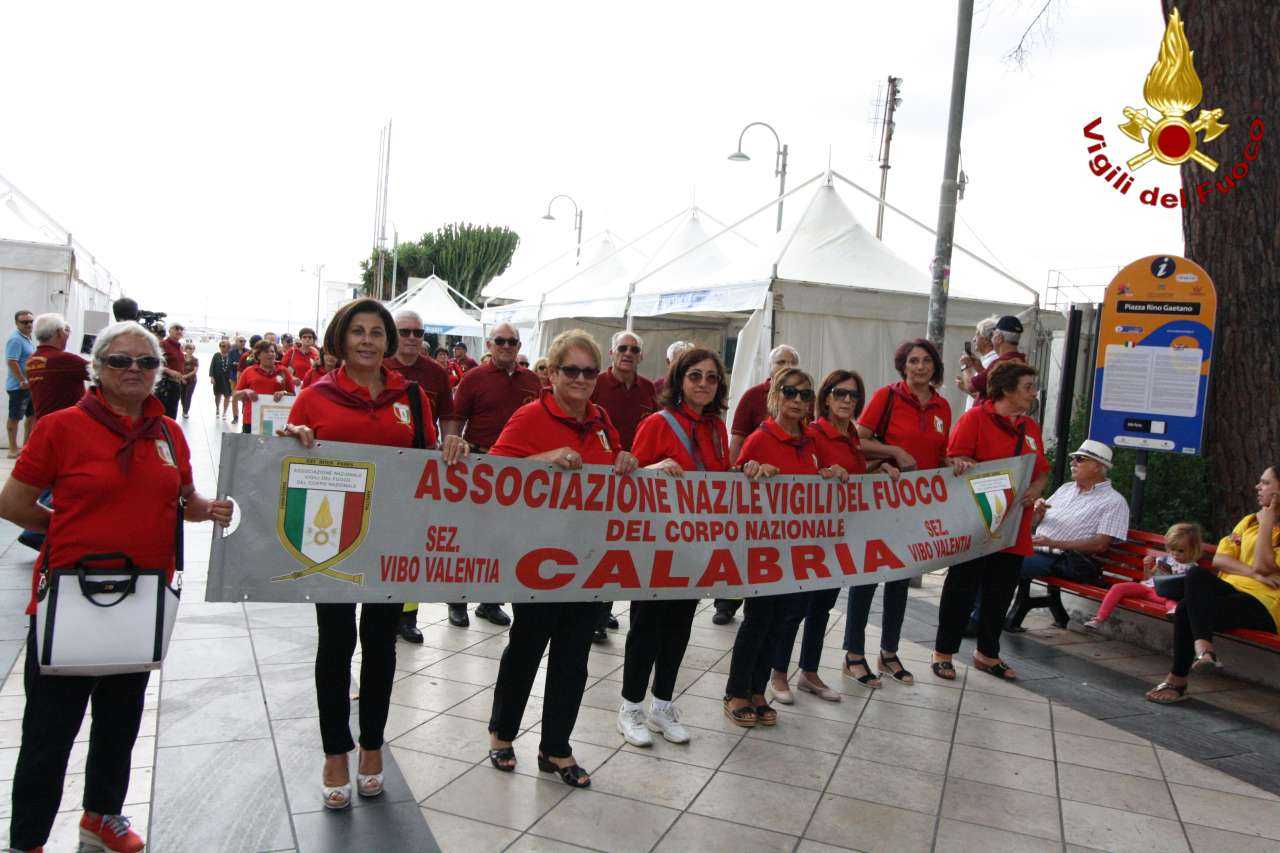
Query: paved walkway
x,y
229,756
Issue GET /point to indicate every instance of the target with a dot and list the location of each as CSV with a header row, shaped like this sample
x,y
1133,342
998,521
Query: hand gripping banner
x,y
350,522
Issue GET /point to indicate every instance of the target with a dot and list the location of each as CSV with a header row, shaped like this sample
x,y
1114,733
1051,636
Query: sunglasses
x,y
505,342
573,371
846,394
791,392
411,333
120,361
697,377
627,348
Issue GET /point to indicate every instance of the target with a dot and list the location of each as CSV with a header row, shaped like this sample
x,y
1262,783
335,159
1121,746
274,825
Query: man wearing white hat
x,y
1081,519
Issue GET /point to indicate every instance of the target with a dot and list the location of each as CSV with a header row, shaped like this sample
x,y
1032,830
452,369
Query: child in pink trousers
x,y
1185,548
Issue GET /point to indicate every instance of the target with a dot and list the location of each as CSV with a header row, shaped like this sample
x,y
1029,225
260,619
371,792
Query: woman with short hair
x,y
362,402
220,368
118,467
327,363
997,429
779,445
190,367
688,434
1242,592
263,376
565,428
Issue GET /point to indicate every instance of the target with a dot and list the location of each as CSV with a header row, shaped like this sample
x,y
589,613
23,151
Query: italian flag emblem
x,y
994,496
323,514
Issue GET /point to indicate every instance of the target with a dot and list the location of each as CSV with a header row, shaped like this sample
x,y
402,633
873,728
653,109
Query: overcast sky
x,y
206,152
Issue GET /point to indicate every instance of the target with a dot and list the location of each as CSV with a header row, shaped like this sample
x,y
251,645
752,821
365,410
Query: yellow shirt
x,y
1240,544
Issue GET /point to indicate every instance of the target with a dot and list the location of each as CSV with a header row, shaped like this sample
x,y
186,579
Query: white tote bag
x,y
104,615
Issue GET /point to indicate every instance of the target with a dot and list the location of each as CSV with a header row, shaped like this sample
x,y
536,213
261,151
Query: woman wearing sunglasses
x,y
117,465
780,445
688,434
264,376
566,429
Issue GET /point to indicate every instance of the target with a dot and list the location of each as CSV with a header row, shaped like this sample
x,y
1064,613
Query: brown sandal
x,y
766,715
744,716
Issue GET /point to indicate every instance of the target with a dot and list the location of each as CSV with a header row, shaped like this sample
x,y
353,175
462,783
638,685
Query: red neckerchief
x,y
708,421
799,442
594,421
336,387
1013,426
147,426
830,431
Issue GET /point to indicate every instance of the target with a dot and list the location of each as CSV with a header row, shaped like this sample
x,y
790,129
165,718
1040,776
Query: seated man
x,y
1081,519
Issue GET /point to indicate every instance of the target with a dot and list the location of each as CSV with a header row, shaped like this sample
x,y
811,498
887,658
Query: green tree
x,y
465,255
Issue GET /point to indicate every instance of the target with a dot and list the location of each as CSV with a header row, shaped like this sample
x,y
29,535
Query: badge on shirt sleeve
x,y
162,450
937,424
1031,442
402,413
604,440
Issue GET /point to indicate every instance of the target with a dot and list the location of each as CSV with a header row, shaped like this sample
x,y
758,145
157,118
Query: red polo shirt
x,y
389,423
770,444
752,409
979,381
983,434
433,379
836,449
488,396
299,360
312,375
655,441
256,379
919,429
245,360
542,425
99,508
57,379
172,350
627,407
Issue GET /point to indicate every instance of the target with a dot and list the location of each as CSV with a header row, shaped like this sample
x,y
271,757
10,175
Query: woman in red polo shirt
x,y
325,364
363,402
117,465
780,445
566,429
688,434
264,376
997,429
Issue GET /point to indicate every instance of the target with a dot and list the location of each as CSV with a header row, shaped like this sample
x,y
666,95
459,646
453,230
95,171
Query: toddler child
x,y
1185,547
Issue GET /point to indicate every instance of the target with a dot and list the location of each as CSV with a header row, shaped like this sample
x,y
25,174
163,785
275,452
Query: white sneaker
x,y
631,727
667,723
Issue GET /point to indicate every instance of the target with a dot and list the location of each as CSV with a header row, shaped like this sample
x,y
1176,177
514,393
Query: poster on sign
x,y
269,415
1155,347
347,522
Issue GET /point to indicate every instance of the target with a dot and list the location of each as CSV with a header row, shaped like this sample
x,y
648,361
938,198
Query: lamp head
x,y
549,217
739,157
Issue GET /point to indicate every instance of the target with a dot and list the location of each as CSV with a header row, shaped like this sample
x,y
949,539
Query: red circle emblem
x,y
1174,141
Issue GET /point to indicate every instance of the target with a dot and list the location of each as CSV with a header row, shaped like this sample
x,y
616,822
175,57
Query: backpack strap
x,y
882,426
182,503
414,393
683,437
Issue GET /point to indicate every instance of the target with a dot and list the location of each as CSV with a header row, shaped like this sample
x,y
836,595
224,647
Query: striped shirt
x,y
1076,514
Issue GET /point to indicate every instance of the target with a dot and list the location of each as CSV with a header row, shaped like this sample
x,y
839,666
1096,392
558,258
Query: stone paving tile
x,y
1185,771
587,817
1005,769
762,759
448,736
1120,831
887,784
507,799
908,721
872,826
1232,812
648,779
384,826
1006,709
432,693
706,748
708,835
958,836
452,832
1019,811
425,774
211,710
805,731
1115,790
1071,721
1135,759
785,810
1004,737
537,844
1206,840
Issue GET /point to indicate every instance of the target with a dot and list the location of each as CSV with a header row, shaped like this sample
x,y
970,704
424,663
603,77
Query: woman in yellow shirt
x,y
1245,593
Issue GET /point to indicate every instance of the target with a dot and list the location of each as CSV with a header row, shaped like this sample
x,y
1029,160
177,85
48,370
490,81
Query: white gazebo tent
x,y
441,314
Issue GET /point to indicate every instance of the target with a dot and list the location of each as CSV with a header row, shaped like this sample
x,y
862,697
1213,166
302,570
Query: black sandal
x,y
744,715
499,758
869,680
901,674
573,775
944,670
999,670
766,715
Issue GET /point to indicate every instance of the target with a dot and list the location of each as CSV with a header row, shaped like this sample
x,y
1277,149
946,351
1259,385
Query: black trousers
x,y
567,627
1211,604
728,605
55,709
754,645
337,629
994,578
169,393
895,609
188,391
656,640
815,609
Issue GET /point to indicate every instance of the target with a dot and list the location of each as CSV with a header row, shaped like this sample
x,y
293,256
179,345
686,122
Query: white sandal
x,y
338,797
368,784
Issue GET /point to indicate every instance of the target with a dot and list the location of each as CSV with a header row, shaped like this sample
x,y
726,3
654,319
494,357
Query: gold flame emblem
x,y
1173,88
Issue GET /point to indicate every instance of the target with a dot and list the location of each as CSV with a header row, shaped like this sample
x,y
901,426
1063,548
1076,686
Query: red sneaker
x,y
109,833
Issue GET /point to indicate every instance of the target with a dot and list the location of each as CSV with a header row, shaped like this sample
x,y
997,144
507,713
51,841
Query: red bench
x,y
1121,562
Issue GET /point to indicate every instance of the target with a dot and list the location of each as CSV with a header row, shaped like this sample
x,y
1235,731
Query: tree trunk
x,y
1236,238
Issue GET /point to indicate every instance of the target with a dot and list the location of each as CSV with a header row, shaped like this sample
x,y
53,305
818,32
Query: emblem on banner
x,y
994,495
323,514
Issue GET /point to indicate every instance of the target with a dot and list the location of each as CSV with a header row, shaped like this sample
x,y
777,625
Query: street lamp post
x,y
577,221
779,162
319,270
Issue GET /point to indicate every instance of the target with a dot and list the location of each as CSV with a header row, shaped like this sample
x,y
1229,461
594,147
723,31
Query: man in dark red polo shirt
x,y
170,388
1004,339
411,362
57,377
460,357
483,402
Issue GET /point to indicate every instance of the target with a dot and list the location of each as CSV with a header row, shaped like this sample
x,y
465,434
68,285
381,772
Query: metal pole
x,y
395,259
382,235
886,137
1066,395
578,211
782,183
319,331
1138,495
941,267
